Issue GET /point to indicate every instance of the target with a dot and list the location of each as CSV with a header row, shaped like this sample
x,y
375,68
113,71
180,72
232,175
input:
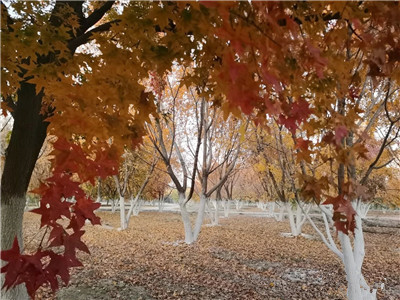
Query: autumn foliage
x,y
301,64
61,198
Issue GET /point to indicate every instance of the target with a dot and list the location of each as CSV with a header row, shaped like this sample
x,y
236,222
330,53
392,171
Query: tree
x,y
221,147
173,123
135,174
57,42
277,164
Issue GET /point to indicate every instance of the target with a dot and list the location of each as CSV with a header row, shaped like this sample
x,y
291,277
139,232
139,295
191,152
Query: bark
x,y
27,138
351,256
112,206
292,221
99,190
186,219
122,212
353,285
161,202
272,209
279,218
200,217
227,205
238,205
11,226
216,213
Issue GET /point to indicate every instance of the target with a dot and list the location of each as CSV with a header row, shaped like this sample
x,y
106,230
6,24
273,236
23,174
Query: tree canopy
x,y
89,73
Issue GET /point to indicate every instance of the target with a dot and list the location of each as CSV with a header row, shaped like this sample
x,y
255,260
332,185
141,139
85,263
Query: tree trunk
x,y
216,215
99,190
133,209
279,218
113,206
353,281
186,219
138,207
227,205
11,226
272,209
238,205
27,138
160,204
122,212
200,217
357,287
363,209
292,222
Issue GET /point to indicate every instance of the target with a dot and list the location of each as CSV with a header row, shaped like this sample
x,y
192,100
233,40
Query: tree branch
x,y
84,38
95,16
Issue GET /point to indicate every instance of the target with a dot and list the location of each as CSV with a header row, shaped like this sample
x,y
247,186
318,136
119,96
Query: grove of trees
x,y
131,100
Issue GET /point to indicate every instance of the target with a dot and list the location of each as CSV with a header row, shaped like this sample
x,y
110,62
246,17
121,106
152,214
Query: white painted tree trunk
x,y
279,217
122,212
292,222
238,205
11,226
161,204
98,190
137,208
352,256
186,219
272,209
363,209
216,215
227,205
200,217
213,212
112,205
134,209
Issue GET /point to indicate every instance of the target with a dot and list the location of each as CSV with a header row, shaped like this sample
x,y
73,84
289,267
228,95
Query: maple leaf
x,y
318,61
302,144
300,110
361,150
340,133
51,211
21,268
105,164
56,235
84,209
271,79
347,209
343,213
73,242
33,274
12,269
288,122
58,266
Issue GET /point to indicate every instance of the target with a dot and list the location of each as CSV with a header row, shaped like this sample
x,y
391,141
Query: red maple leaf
x,y
288,122
21,268
73,242
84,209
51,211
13,256
343,213
340,133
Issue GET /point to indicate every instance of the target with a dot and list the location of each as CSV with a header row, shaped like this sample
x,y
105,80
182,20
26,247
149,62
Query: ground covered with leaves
x,y
243,258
